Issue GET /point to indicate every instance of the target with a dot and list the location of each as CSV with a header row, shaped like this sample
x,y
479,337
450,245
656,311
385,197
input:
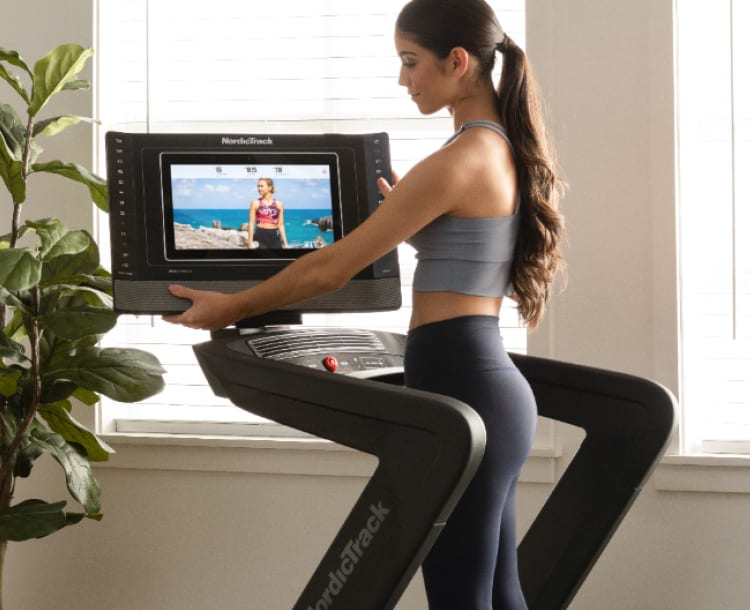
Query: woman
x,y
482,213
266,227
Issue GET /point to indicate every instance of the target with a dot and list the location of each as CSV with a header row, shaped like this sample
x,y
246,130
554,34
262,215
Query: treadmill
x,y
346,385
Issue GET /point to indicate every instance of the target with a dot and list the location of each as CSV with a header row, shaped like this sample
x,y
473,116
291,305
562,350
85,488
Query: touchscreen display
x,y
249,205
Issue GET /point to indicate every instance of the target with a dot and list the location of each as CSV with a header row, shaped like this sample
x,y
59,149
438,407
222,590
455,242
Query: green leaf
x,y
13,58
58,418
125,375
22,230
77,85
55,355
80,479
77,314
15,82
100,280
9,381
56,351
31,519
12,131
97,186
10,348
13,136
86,397
25,460
13,300
58,296
56,70
16,329
49,230
20,269
12,139
74,255
70,244
9,423
58,389
57,240
53,126
11,171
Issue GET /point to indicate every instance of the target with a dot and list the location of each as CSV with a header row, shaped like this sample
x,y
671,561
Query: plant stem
x,y
15,225
25,171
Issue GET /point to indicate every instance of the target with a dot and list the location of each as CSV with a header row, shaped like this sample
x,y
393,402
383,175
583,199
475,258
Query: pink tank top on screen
x,y
267,213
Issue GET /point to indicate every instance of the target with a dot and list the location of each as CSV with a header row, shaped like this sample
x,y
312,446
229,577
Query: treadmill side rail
x,y
428,447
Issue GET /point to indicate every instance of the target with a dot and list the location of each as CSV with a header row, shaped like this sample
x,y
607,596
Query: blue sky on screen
x,y
236,193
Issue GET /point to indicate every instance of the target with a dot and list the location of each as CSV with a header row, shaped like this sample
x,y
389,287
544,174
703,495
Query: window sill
x,y
310,456
706,473
257,455
307,456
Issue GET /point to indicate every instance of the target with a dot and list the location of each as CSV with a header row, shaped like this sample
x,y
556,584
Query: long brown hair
x,y
442,25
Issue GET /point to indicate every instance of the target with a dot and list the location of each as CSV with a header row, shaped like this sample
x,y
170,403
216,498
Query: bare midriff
x,y
430,307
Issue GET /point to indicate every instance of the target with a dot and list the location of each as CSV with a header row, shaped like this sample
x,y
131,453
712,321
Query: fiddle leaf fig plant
x,y
55,305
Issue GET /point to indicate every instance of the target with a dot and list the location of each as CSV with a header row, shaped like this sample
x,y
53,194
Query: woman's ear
x,y
459,61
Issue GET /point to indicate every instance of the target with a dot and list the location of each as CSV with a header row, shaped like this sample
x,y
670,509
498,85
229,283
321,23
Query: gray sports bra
x,y
467,255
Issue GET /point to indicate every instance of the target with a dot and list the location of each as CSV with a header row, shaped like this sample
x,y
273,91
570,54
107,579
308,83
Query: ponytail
x,y
537,257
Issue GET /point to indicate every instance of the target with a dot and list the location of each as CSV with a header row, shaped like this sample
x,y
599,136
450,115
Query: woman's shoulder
x,y
482,140
447,164
476,151
483,163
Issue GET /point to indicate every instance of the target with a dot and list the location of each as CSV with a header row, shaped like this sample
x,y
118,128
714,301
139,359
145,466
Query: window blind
x,y
713,76
250,67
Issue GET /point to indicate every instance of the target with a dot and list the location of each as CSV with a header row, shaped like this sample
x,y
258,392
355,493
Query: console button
x,y
331,364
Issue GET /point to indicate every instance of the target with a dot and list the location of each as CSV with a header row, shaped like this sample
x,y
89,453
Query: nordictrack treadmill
x,y
628,422
429,447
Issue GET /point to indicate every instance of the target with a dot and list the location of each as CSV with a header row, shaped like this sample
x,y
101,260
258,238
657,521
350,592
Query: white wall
x,y
606,69
210,527
33,28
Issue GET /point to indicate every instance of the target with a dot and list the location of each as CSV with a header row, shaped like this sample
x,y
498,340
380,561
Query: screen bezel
x,y
277,158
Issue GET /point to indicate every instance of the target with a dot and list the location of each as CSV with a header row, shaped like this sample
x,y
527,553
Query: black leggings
x,y
473,564
267,238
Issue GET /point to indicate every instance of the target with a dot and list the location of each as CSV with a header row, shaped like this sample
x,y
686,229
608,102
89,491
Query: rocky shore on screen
x,y
209,238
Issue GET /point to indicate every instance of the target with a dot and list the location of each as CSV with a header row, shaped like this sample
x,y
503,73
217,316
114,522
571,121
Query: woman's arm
x,y
251,224
426,192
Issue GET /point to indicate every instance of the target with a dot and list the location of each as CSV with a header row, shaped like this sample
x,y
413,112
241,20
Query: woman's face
x,y
423,75
263,188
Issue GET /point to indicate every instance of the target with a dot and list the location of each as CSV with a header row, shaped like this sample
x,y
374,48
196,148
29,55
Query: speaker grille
x,y
153,297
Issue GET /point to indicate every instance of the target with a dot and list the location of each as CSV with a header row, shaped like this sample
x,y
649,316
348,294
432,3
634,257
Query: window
x,y
713,92
250,67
